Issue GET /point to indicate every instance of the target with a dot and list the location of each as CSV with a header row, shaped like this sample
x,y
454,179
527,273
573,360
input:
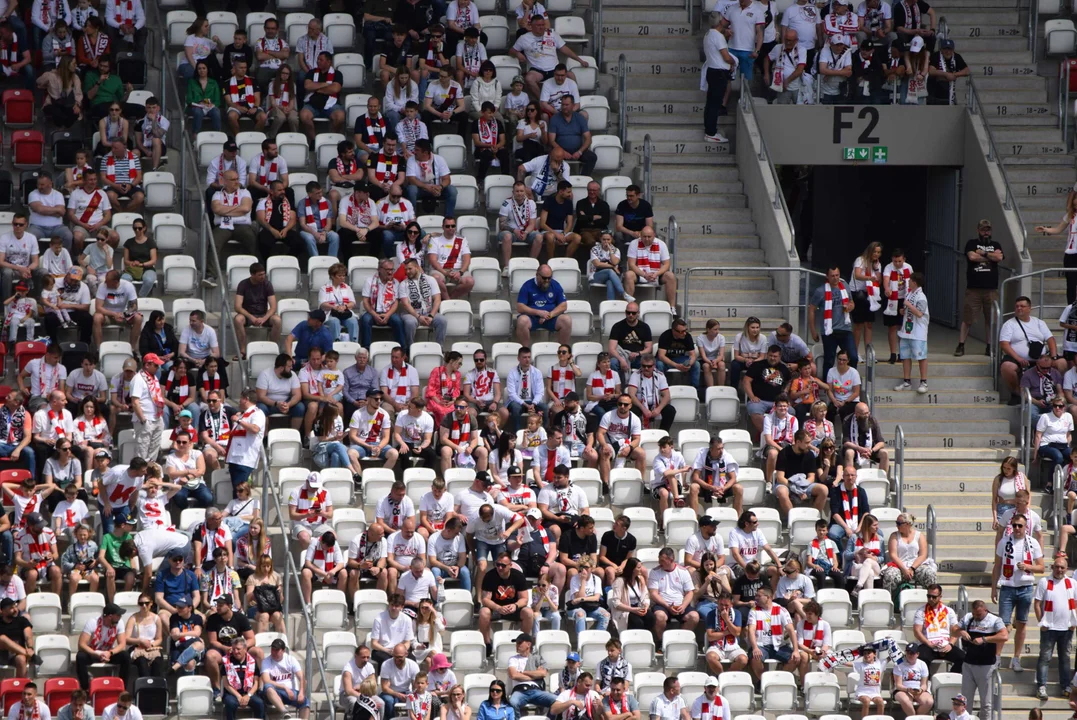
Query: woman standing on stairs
x,y
1069,255
865,285
1004,489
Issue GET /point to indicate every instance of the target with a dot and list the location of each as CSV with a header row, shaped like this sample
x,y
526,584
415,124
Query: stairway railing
x,y
932,524
778,201
291,575
1026,428
1058,480
975,108
596,32
672,230
996,692
622,100
899,468
869,375
962,604
648,148
1064,101
1033,26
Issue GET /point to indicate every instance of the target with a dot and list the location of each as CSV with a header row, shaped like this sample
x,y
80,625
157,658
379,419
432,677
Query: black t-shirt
x,y
184,626
500,129
396,56
576,547
232,53
505,592
414,17
362,130
769,382
869,69
744,588
556,212
563,418
631,338
900,19
618,549
676,346
790,463
939,87
981,275
227,631
634,218
15,630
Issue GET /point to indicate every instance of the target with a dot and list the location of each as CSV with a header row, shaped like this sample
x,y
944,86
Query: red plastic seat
x,y
11,691
27,351
18,108
58,692
27,149
1072,62
104,691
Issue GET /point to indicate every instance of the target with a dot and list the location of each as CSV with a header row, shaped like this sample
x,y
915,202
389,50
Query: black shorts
x,y
676,618
546,74
862,312
895,320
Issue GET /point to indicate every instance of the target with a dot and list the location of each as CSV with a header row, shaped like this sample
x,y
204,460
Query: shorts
x,y
676,618
726,654
546,74
1014,601
550,324
314,530
511,617
977,301
484,550
656,492
910,349
236,111
363,452
288,697
135,190
324,113
760,408
781,654
862,312
159,543
868,692
895,320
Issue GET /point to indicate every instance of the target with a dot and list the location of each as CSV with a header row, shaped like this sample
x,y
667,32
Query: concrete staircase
x,y
697,182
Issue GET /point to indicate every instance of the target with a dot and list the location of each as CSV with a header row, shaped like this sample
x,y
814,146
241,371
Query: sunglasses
x,y
461,407
620,404
1056,407
413,232
647,367
144,603
183,442
496,690
177,559
503,565
562,352
631,312
1018,527
933,597
18,224
449,227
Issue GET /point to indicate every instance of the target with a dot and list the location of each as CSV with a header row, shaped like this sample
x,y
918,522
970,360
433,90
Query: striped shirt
x,y
309,48
123,171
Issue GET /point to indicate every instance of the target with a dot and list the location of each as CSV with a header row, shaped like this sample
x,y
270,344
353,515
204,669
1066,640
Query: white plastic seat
x,y
261,354
644,525
265,640
182,309
909,601
467,649
353,70
847,639
169,231
84,606
194,696
585,353
553,646
318,270
591,646
283,273
656,313
753,485
504,642
355,104
486,272
497,189
458,318
284,447
297,181
570,28
598,113
476,230
292,311
503,356
648,557
55,653
467,192
256,25
294,148
209,144
1061,37
544,356
685,400
190,517
648,442
508,67
44,611
626,487
347,523
887,517
361,269
495,318
338,647
112,354
496,28
477,689
738,443
222,23
801,522
458,610
426,356
177,22
691,440
877,487
607,148
381,352
325,147
770,523
295,26
340,27
160,188
944,686
778,689
249,144
610,312
567,272
737,688
723,405
330,608
238,269
679,648
646,685
452,149
822,693
875,608
680,524
339,484
589,480
837,606
180,274
613,187
638,648
376,484
726,517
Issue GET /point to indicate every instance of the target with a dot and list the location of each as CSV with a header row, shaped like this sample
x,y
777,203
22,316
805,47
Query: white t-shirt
x,y
831,84
1022,550
277,389
245,447
704,709
871,677
666,709
743,22
912,327
571,500
72,513
52,200
399,678
285,672
429,171
406,548
696,545
490,531
436,509
45,378
417,588
910,674
392,513
80,386
552,92
389,631
414,429
470,501
446,551
119,300
648,389
200,344
938,630
42,713
673,586
518,216
16,589
80,201
750,544
843,384
788,61
620,429
1054,428
540,52
46,422
358,674
762,622
662,463
442,248
1035,523
1035,328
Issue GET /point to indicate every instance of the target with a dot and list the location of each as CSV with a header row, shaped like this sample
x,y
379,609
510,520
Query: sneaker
x,y
629,298
216,695
1064,692
209,282
715,138
893,359
960,350
923,387
903,385
1015,665
1041,692
505,271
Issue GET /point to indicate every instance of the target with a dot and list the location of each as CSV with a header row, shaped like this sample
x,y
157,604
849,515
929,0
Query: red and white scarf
x,y
382,296
1049,602
401,389
348,167
57,422
47,383
374,137
125,12
318,222
811,636
461,430
311,501
828,305
155,390
782,430
562,380
34,712
776,631
818,546
211,383
711,709
873,547
264,176
386,168
323,559
221,583
851,510
360,213
184,390
1008,564
602,384
93,50
487,132
211,540
894,282
104,636
93,425
651,259
248,95
245,683
449,384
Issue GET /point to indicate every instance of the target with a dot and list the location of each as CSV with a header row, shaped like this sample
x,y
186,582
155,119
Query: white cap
x,y
711,681
917,44
840,40
534,513
314,480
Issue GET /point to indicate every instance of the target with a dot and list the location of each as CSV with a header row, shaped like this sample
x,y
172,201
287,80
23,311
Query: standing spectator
x,y
913,334
983,635
865,285
833,323
1052,602
147,404
248,433
783,69
946,66
982,257
1021,337
541,304
1018,558
744,20
255,305
835,67
716,68
914,19
631,216
895,288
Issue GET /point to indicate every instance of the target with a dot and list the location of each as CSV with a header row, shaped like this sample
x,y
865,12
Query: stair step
x,y
993,62
668,173
885,397
683,64
1052,159
644,79
678,129
1009,134
1042,176
686,143
976,46
687,258
644,53
952,5
963,21
663,106
693,95
1013,96
658,29
941,428
671,5
981,383
944,367
714,241
1001,81
959,412
1012,148
730,311
959,443
674,201
617,16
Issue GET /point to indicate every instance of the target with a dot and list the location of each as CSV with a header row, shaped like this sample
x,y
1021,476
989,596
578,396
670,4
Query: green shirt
x,y
196,94
111,88
111,545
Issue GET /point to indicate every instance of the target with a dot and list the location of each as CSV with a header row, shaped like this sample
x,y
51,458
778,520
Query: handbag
x,y
267,599
1035,347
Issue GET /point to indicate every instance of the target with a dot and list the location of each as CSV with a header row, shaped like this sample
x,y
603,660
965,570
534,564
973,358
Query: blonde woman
x,y
711,345
863,554
908,558
817,426
456,708
867,277
63,93
584,598
262,587
749,345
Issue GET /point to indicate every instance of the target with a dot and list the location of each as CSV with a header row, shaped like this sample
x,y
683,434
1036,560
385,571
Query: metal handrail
x,y
975,107
999,318
1033,26
962,604
622,95
996,690
269,490
648,148
899,468
992,340
596,32
1026,427
869,375
942,30
672,230
778,201
932,531
1064,101
1058,481
794,304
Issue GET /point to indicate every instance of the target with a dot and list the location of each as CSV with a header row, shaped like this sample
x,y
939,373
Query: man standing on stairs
x,y
1055,605
1017,559
715,79
984,635
833,298
745,19
982,255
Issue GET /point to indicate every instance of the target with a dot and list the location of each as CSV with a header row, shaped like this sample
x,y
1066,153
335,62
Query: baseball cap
x,y
515,470
185,413
184,601
225,599
6,603
484,478
314,479
985,223
21,287
534,513
373,392
711,681
318,315
152,358
177,554
959,699
34,519
120,517
231,146
916,44
947,44
840,40
573,657
112,609
914,648
706,521
102,452
572,397
524,637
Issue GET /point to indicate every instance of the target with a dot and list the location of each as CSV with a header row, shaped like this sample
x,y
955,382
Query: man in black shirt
x,y
794,476
222,627
848,504
238,50
914,18
395,53
677,351
744,589
982,256
616,547
592,216
576,543
633,213
16,637
506,595
865,86
629,339
556,220
377,25
763,383
414,15
945,67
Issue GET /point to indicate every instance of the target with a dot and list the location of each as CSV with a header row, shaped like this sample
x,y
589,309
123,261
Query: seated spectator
x,y
242,99
309,334
444,105
419,298
282,681
42,376
805,391
70,512
746,542
631,216
359,380
541,304
63,92
650,395
671,591
714,477
312,385
1044,383
547,173
345,170
51,423
486,88
36,554
795,475
405,543
518,223
396,222
186,466
618,438
86,382
448,258
117,301
277,220
396,675
547,457
524,388
380,303
279,392
59,41
139,259
102,640
793,347
322,100
1054,433
1016,337
864,443
326,441
400,88
557,87
411,129
48,206
429,178
677,351
668,478
762,384
203,98
231,207
414,430
556,220
630,339
568,130
863,554
470,55
385,177
912,682
219,580
212,378
843,386
337,301
264,169
255,305
399,382
489,142
357,220
61,469
323,562
370,131
506,597
106,93
537,50
239,49
185,631
562,380
711,348
848,504
530,138
649,266
908,558
242,685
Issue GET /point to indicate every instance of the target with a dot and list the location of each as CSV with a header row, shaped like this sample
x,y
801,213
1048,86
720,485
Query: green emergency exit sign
x,y
878,154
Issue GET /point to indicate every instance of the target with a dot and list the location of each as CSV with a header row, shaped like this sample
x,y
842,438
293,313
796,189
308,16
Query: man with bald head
x,y
541,303
546,172
784,67
396,675
864,443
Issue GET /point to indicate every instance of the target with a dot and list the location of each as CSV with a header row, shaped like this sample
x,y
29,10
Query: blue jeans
x,y
338,455
1055,452
448,194
600,615
231,704
464,576
693,373
1049,640
531,695
239,527
332,243
296,411
706,610
388,243
396,324
614,288
390,704
516,410
619,365
1014,601
26,456
239,474
149,279
831,343
837,534
187,654
1037,411
552,616
186,71
351,325
200,497
199,116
